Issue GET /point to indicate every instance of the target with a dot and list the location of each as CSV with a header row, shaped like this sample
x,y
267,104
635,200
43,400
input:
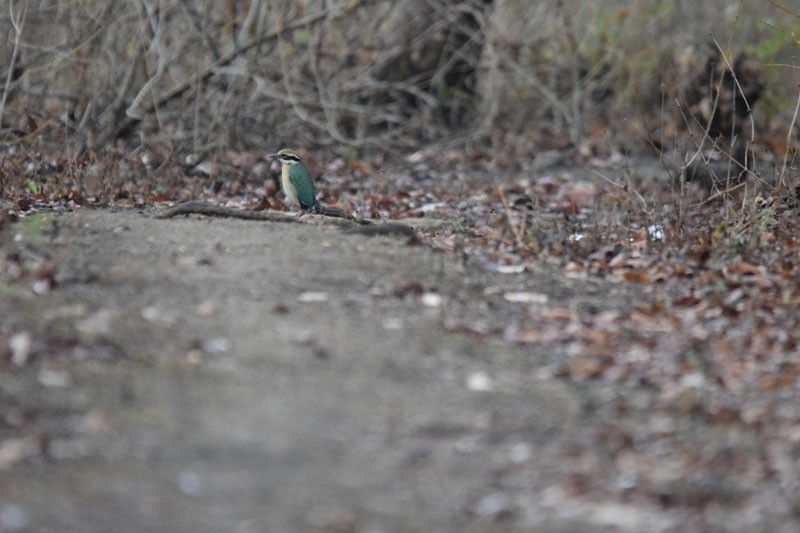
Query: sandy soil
x,y
207,375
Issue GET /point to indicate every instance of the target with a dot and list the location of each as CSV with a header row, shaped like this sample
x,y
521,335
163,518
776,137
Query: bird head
x,y
286,157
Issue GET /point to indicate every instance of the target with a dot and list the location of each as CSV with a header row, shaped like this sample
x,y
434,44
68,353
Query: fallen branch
x,y
213,210
331,215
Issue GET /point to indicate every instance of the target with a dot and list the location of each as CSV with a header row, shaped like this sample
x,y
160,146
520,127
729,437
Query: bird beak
x,y
272,156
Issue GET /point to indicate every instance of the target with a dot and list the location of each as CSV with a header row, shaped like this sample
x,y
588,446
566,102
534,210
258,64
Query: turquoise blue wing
x,y
301,180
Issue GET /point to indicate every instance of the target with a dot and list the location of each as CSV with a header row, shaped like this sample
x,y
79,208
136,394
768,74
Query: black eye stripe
x,y
289,157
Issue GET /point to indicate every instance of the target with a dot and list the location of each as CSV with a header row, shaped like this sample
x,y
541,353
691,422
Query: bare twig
x,y
627,187
744,98
517,231
545,91
331,116
18,22
205,73
789,135
576,95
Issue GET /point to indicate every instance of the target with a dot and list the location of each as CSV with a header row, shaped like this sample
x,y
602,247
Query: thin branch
x,y
744,98
624,188
548,94
18,22
789,134
205,73
515,230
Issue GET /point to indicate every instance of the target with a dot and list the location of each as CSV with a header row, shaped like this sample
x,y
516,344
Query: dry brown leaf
x,y
637,277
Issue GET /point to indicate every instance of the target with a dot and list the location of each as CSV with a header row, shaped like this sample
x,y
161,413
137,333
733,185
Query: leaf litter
x,y
712,337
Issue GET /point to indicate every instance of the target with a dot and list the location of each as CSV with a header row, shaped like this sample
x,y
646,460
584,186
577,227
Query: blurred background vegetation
x,y
358,75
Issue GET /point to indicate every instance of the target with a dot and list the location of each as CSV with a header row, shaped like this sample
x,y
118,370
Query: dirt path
x,y
223,375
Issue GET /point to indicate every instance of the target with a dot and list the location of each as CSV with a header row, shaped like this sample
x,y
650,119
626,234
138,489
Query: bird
x,y
296,181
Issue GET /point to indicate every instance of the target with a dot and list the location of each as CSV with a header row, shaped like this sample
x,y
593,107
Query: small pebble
x,y
479,382
20,346
217,345
520,452
189,483
54,378
313,296
393,323
431,299
496,504
13,517
628,480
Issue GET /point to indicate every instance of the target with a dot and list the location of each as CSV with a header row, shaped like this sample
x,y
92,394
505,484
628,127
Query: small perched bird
x,y
296,181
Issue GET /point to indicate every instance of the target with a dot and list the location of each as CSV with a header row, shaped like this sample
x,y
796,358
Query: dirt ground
x,y
208,375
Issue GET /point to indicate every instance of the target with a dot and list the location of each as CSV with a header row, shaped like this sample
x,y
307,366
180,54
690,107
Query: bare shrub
x,y
207,75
